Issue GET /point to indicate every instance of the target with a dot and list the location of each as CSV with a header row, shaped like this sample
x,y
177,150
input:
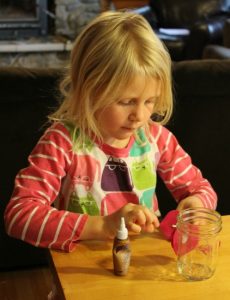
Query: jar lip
x,y
200,209
203,220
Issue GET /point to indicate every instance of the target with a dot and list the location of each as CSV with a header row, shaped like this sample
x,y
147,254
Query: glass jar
x,y
198,242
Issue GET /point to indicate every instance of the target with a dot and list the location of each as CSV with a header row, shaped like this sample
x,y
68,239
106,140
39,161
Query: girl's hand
x,y
137,218
190,202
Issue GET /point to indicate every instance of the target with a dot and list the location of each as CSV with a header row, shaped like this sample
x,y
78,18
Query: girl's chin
x,y
119,142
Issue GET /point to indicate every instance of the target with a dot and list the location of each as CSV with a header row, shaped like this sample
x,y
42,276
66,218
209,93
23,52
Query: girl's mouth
x,y
129,129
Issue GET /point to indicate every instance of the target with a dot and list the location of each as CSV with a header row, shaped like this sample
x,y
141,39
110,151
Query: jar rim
x,y
199,220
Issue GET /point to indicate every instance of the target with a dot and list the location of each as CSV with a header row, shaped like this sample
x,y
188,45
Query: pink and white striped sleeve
x,y
29,215
175,167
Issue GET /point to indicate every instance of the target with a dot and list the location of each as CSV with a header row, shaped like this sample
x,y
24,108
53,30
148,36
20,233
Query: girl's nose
x,y
138,113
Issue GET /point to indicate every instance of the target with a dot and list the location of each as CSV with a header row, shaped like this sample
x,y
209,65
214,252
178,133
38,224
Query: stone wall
x,y
73,15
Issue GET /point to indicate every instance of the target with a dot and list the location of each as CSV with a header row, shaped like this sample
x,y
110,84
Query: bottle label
x,y
121,259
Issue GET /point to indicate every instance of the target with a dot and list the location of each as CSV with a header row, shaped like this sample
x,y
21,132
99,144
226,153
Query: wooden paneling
x,y
28,284
129,3
120,4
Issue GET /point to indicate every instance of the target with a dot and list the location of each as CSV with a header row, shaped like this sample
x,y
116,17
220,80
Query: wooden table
x,y
87,273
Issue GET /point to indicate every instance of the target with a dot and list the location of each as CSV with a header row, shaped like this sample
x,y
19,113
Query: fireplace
x,y
39,33
23,19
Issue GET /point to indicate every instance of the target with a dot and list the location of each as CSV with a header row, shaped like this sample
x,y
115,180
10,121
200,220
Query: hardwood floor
x,y
29,284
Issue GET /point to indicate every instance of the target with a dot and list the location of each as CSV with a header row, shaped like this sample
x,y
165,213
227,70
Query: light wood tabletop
x,y
87,273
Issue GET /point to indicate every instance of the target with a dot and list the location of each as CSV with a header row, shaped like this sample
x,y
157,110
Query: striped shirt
x,y
61,186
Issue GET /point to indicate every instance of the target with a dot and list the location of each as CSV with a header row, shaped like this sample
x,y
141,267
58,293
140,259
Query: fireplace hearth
x,y
23,19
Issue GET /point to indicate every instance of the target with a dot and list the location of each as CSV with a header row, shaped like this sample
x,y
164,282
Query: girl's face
x,y
119,121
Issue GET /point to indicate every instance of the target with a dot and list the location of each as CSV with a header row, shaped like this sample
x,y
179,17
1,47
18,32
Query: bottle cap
x,y
122,233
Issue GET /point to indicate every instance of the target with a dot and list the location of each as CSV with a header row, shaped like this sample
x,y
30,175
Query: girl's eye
x,y
133,102
127,102
150,101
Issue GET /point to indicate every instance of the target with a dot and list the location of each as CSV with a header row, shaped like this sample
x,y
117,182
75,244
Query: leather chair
x,y
217,51
203,20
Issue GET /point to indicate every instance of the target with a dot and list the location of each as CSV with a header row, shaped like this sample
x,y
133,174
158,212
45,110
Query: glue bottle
x,y
121,250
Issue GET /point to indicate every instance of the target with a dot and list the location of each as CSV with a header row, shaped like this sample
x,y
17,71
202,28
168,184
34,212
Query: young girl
x,y
98,160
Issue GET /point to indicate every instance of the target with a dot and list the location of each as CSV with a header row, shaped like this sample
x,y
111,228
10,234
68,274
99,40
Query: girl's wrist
x,y
95,228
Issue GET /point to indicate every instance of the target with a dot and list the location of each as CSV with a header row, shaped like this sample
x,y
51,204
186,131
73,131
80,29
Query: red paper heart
x,y
167,227
187,243
168,224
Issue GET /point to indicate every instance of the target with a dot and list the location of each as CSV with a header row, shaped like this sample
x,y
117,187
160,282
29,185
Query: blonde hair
x,y
109,52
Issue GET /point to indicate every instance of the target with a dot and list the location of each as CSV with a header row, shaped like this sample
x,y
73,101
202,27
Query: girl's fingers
x,y
134,227
151,218
141,218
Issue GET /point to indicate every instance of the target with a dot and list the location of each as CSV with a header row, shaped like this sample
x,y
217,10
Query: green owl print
x,y
83,205
143,174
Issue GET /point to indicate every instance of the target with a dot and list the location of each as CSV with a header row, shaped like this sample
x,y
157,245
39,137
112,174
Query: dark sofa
x,y
27,96
201,122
